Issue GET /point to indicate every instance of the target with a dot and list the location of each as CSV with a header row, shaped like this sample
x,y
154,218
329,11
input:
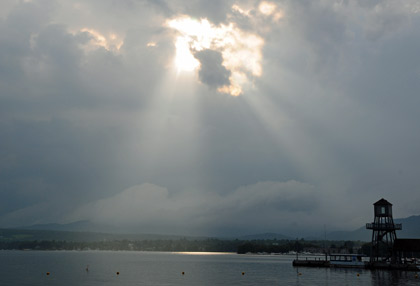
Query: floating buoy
x,y
183,272
118,273
358,274
243,273
299,274
48,273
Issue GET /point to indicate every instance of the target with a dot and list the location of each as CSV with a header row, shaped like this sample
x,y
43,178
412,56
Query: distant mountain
x,y
32,234
81,231
80,236
86,230
410,229
83,225
87,226
361,234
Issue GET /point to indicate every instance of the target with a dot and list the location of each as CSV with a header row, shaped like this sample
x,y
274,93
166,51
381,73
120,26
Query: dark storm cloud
x,y
15,31
211,71
57,141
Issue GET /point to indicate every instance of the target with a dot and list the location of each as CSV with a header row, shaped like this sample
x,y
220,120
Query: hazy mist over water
x,y
68,268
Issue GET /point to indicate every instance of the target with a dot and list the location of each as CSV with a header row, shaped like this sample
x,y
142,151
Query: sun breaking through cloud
x,y
241,51
270,9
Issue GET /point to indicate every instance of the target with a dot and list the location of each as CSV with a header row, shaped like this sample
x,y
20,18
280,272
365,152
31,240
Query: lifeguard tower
x,y
383,232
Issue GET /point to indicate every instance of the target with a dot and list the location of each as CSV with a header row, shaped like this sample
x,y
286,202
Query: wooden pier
x,y
311,263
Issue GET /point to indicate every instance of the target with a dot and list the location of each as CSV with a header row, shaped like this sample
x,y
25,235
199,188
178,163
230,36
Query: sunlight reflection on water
x,y
202,253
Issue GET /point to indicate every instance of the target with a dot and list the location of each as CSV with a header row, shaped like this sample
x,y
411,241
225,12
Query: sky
x,y
209,117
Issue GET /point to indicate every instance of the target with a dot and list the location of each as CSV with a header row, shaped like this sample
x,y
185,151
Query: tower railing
x,y
384,226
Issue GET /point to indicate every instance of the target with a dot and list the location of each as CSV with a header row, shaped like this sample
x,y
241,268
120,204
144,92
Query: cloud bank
x,y
151,208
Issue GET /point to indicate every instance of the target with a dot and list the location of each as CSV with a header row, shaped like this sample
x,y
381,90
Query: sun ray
x,y
168,130
303,151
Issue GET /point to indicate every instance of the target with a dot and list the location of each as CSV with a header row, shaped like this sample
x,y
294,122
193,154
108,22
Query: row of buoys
x,y
118,273
243,273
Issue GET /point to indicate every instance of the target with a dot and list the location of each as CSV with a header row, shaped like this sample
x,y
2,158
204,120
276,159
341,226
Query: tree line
x,y
201,245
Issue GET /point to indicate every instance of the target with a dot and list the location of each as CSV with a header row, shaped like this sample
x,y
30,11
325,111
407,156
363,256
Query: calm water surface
x,y
157,268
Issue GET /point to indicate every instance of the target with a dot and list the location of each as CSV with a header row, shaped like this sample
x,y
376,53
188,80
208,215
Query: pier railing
x,y
384,226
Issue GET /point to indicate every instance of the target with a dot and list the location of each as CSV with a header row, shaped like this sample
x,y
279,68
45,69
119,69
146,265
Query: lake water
x,y
158,268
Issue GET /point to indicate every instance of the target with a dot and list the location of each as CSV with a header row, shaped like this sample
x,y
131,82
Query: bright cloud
x,y
267,8
111,42
241,50
240,10
270,9
184,60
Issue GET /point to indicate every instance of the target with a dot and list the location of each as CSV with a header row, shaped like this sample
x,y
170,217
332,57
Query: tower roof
x,y
382,202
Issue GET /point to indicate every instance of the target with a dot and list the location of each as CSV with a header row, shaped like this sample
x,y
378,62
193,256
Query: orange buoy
x,y
48,273
243,273
118,273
